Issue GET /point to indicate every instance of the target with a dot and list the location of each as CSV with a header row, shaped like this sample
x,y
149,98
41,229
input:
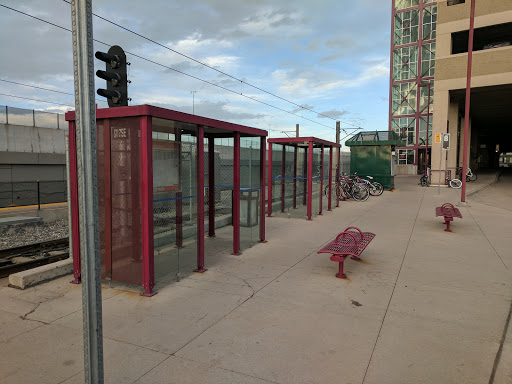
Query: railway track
x,y
29,256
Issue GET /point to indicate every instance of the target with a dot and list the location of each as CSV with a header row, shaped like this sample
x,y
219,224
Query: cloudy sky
x,y
330,56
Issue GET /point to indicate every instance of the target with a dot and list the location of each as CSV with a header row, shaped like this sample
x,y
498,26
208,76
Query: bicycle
x,y
425,179
375,188
350,188
454,183
470,175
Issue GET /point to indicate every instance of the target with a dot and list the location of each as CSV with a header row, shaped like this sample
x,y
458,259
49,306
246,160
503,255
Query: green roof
x,y
375,138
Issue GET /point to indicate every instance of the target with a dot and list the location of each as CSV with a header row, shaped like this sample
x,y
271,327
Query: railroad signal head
x,y
115,75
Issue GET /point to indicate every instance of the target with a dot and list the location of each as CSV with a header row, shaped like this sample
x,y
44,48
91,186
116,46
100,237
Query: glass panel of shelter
x,y
174,199
250,191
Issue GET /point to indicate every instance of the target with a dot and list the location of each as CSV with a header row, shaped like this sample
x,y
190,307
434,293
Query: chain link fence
x,y
24,193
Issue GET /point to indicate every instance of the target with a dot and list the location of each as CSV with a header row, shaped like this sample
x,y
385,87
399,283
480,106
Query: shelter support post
x,y
236,196
310,180
338,176
179,201
211,187
295,177
262,188
283,171
321,178
148,255
200,200
75,219
330,180
269,209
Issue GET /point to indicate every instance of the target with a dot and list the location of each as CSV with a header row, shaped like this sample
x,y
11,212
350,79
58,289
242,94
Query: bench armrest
x,y
343,234
360,232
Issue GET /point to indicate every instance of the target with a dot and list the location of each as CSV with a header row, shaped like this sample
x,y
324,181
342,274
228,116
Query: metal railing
x,y
18,194
31,118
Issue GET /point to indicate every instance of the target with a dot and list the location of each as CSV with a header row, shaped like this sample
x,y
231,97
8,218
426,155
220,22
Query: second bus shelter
x,y
300,175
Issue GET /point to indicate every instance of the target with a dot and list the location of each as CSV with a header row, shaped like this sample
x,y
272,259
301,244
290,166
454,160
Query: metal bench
x,y
448,211
347,243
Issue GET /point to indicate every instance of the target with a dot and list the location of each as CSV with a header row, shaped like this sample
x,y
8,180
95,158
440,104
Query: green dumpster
x,y
373,154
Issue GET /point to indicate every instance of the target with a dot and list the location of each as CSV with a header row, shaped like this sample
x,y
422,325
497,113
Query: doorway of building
x,y
421,160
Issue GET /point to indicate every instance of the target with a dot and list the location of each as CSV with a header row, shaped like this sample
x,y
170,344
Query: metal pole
x,y
321,178
68,185
338,132
193,101
310,180
211,187
200,199
269,197
428,121
6,115
263,143
283,171
468,97
440,160
38,197
81,15
330,179
296,130
236,196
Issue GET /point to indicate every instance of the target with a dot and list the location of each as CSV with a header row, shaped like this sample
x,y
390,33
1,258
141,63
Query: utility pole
x,y
193,101
337,132
339,152
297,130
85,110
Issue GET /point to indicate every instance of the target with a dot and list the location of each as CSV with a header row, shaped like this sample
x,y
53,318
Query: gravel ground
x,y
18,235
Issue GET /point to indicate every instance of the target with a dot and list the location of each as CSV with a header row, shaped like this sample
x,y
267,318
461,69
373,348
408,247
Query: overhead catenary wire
x,y
45,89
175,70
212,68
41,101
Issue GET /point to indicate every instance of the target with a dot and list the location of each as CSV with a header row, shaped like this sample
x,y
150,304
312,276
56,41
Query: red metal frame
x,y
321,178
200,199
263,167
338,170
146,158
269,210
179,201
310,179
75,218
108,197
236,196
211,187
330,181
295,150
283,171
468,104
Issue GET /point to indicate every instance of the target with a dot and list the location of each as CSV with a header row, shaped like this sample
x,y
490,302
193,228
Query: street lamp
x,y
193,101
428,121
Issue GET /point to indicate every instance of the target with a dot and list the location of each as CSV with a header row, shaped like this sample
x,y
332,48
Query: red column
x,y
330,179
304,173
263,167
321,178
179,201
146,158
468,97
338,175
108,197
295,177
310,179
236,196
200,199
75,219
283,171
211,188
269,207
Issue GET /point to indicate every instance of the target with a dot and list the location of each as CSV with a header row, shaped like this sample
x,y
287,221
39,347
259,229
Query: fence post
x,y
6,115
38,197
34,117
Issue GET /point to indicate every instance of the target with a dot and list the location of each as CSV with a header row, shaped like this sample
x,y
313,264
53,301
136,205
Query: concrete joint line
x,y
500,349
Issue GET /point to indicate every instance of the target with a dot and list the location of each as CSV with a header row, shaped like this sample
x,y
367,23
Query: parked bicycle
x,y
374,187
470,175
454,183
425,179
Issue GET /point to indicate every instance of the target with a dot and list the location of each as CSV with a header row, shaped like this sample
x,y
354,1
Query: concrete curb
x,y
498,174
31,277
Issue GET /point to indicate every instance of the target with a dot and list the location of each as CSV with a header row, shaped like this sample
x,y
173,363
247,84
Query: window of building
x,y
423,131
494,36
428,59
406,128
403,4
429,22
405,156
405,63
429,1
455,2
404,99
406,27
424,97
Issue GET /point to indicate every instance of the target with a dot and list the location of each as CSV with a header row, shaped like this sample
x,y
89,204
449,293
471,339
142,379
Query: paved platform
x,y
7,221
425,306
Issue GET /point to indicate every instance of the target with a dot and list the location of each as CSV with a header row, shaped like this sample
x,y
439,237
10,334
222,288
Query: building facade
x,y
429,45
490,131
413,52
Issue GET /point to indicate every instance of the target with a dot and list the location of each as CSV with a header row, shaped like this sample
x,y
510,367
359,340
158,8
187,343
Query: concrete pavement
x,y
425,306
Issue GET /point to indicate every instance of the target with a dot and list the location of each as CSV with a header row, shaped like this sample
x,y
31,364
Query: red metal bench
x,y
347,243
448,211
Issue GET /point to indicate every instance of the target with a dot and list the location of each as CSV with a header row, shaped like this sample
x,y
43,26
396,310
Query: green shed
x,y
373,154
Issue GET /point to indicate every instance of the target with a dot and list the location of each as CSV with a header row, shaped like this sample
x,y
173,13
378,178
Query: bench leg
x,y
447,226
340,274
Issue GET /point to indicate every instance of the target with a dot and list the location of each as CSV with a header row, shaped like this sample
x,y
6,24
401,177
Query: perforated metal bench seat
x,y
347,243
448,211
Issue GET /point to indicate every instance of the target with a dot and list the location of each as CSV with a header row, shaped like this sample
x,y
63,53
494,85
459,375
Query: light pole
x,y
428,121
193,101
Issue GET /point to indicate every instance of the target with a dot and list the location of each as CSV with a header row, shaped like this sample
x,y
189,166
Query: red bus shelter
x,y
165,179
300,174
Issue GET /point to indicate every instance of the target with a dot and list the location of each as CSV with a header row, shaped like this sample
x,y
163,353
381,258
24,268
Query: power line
x,y
42,101
210,67
175,70
45,89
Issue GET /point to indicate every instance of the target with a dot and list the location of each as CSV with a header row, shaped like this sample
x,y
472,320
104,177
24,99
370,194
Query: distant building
x,y
423,52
